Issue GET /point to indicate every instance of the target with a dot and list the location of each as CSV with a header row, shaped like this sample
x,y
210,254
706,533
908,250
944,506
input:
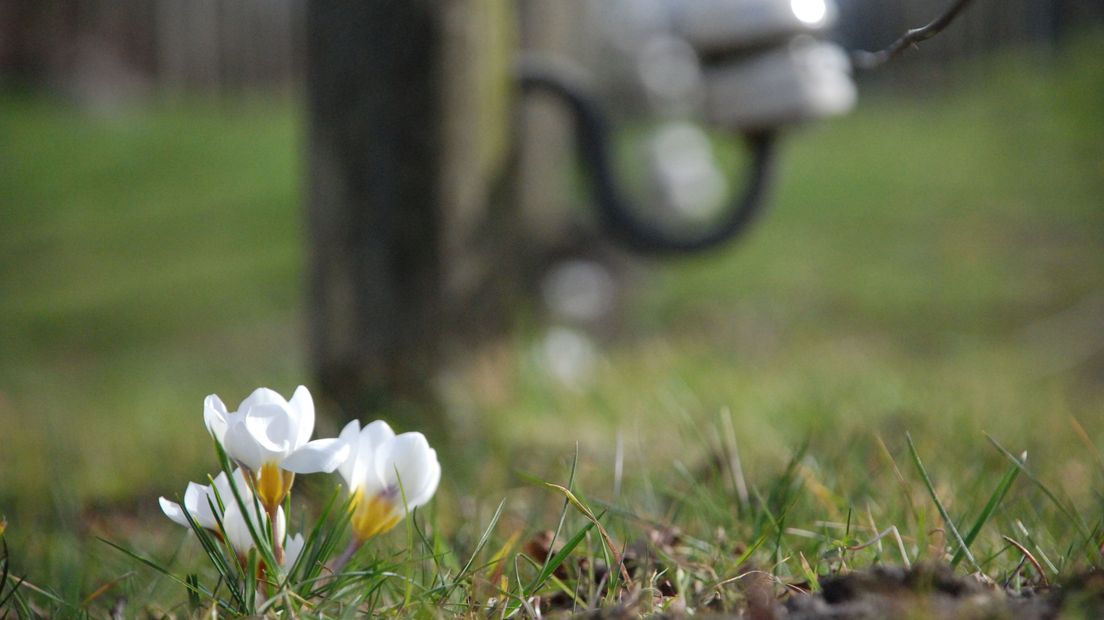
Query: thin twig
x,y
873,541
1030,558
872,60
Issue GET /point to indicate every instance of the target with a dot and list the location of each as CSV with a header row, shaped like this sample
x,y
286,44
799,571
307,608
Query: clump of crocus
x,y
270,437
387,475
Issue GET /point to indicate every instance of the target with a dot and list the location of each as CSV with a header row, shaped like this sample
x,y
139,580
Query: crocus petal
x,y
173,511
215,416
236,529
226,493
320,455
302,406
410,461
196,503
241,481
262,396
351,436
293,549
281,523
241,447
421,497
373,439
222,487
270,428
350,432
194,494
377,433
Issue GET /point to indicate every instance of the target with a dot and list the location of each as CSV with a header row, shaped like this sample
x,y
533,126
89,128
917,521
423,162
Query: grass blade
x,y
1065,510
216,552
198,589
990,507
601,530
938,504
262,543
484,538
556,560
4,573
563,512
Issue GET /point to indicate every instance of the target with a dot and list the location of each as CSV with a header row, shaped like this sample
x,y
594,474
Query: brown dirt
x,y
921,593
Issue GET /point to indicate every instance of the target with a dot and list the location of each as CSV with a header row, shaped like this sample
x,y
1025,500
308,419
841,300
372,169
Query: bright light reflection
x,y
809,11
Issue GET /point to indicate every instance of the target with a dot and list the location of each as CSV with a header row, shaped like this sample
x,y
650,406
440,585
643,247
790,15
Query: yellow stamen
x,y
273,485
372,517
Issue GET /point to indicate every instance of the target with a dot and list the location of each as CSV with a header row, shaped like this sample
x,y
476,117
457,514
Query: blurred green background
x,y
933,262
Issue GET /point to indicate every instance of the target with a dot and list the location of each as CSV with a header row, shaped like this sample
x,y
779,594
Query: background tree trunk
x,y
406,126
374,92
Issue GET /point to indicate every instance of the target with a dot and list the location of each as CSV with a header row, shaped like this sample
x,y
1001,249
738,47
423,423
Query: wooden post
x,y
546,137
400,171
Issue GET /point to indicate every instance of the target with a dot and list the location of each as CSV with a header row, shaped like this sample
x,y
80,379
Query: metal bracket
x,y
620,220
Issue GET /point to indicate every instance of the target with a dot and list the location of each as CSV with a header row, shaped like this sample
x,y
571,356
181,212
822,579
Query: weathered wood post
x,y
405,135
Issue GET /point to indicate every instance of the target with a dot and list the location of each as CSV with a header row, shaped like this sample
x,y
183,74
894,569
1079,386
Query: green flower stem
x,y
346,555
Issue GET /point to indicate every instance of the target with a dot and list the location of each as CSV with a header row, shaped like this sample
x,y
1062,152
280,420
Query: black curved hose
x,y
619,219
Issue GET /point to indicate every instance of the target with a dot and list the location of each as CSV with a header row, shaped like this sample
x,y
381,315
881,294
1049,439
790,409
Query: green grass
x,y
931,265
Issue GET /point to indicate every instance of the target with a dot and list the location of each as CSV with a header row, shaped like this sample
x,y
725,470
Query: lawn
x,y
931,265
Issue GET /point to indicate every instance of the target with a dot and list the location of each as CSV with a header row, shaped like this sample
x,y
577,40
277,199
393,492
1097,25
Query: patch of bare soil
x,y
920,593
936,592
930,592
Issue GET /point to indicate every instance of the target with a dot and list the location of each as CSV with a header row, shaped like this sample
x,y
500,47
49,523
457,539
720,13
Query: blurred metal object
x,y
713,26
872,60
803,80
762,64
671,74
623,221
746,66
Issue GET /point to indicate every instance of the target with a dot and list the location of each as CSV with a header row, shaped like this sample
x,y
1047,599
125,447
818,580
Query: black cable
x,y
620,220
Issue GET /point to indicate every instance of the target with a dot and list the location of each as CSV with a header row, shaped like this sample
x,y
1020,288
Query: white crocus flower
x,y
270,437
198,500
237,530
387,474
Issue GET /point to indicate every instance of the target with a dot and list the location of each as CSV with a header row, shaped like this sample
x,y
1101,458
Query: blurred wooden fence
x,y
174,45
230,45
